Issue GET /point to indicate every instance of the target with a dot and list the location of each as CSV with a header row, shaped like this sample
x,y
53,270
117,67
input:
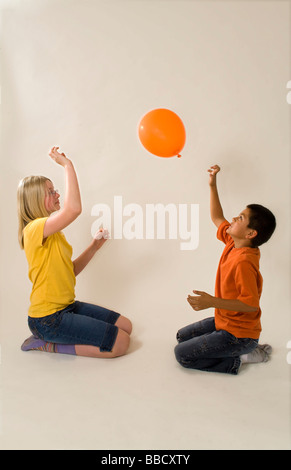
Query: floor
x,y
144,400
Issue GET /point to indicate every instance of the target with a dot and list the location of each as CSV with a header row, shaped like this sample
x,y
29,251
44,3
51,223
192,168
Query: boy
x,y
223,343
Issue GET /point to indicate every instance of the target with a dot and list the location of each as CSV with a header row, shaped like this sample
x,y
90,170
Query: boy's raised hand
x,y
213,170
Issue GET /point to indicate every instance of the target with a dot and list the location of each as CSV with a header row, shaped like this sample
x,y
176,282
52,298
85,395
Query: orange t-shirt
x,y
238,277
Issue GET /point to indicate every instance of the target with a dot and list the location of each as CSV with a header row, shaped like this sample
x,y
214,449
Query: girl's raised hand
x,y
58,157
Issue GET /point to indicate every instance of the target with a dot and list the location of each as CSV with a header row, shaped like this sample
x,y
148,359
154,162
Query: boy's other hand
x,y
201,300
213,170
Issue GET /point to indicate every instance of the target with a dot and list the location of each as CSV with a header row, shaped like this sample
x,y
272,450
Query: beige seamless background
x,y
80,75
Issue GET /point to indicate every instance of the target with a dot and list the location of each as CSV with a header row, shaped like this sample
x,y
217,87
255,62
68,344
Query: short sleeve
x,y
221,232
246,280
33,232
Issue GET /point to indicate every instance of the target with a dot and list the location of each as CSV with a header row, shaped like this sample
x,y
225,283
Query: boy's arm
x,y
216,211
202,300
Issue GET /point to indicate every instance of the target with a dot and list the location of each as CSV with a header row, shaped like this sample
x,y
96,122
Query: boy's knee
x,y
182,356
179,354
179,336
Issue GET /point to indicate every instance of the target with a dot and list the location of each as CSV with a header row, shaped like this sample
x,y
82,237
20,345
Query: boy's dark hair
x,y
263,221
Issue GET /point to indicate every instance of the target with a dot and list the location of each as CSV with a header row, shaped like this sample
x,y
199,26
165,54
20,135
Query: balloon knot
x,y
179,156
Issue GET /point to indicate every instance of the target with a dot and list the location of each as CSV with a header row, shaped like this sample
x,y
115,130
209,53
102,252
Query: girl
x,y
58,322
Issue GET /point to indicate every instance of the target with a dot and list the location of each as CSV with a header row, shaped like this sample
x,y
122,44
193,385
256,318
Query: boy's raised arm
x,y
216,211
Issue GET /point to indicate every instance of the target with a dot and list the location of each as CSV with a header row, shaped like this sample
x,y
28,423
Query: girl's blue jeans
x,y
78,323
203,347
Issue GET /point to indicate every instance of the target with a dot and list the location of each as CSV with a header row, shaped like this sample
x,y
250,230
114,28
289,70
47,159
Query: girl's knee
x,y
124,324
120,347
121,343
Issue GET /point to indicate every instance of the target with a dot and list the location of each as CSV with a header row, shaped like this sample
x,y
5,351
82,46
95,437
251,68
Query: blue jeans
x,y
203,347
78,323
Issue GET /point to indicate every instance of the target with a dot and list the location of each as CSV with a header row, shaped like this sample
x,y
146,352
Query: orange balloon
x,y
162,133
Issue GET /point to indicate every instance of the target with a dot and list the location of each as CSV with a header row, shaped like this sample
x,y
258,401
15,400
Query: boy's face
x,y
239,229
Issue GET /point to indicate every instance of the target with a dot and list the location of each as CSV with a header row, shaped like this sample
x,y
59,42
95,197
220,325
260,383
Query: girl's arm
x,y
72,204
81,262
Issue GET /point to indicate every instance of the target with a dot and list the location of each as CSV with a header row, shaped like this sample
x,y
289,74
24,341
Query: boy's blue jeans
x,y
203,347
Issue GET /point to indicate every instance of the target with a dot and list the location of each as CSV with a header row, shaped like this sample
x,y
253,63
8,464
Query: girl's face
x,y
51,200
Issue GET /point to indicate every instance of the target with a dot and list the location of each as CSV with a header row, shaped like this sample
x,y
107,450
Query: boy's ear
x,y
252,234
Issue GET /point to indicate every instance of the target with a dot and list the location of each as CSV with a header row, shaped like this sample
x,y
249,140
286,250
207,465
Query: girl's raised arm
x,y
72,207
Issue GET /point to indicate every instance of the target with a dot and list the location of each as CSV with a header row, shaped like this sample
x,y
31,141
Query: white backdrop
x,y
81,74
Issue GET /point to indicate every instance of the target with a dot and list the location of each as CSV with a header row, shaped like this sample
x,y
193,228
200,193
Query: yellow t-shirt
x,y
51,270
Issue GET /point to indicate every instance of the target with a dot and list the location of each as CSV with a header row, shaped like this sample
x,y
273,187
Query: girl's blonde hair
x,y
30,202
